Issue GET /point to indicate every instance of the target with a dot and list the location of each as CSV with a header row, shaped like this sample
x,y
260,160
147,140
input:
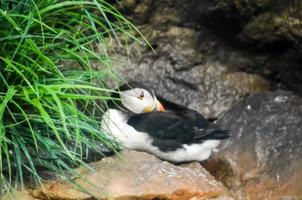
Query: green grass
x,y
49,91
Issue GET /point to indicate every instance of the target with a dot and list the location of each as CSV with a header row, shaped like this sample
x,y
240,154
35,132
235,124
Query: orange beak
x,y
159,106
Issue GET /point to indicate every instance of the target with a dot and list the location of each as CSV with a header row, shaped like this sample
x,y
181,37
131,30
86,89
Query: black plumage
x,y
176,126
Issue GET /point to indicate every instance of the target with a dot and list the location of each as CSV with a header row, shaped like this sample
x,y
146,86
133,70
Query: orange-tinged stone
x,y
138,176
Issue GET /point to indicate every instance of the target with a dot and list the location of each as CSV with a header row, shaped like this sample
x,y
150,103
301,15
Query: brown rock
x,y
18,195
262,159
138,176
246,83
129,3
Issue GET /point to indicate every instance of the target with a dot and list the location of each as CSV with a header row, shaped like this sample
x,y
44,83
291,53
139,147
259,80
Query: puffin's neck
x,y
119,107
114,113
116,104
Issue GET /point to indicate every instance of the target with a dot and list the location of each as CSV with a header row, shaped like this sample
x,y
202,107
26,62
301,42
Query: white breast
x,y
191,152
114,123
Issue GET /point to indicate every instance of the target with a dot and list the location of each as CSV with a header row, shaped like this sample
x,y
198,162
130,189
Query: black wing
x,y
168,105
170,130
183,111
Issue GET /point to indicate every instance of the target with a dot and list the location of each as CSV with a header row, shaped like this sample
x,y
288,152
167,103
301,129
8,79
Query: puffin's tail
x,y
215,133
218,135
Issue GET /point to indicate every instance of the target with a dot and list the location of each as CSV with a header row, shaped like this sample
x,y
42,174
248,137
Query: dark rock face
x,y
261,37
263,158
259,22
271,28
191,66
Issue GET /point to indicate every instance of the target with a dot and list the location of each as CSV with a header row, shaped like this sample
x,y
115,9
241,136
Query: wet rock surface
x,y
136,175
263,158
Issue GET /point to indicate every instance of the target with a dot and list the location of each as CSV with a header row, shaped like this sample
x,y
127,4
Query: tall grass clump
x,y
48,84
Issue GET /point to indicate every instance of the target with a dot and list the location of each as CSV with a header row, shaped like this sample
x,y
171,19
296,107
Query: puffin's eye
x,y
141,96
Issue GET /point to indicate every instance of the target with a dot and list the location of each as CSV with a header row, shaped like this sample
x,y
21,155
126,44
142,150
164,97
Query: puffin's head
x,y
138,98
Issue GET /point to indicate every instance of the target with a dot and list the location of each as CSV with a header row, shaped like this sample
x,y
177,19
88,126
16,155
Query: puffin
x,y
138,119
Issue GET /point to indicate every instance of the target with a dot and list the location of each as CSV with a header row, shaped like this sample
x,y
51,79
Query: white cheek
x,y
133,103
130,101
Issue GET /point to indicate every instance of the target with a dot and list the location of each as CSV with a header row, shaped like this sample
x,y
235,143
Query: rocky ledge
x,y
133,175
262,159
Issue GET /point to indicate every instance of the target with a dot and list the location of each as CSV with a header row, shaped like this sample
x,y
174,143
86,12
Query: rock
x,y
263,158
271,27
208,88
246,83
134,175
261,37
265,21
268,29
18,195
129,4
191,66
